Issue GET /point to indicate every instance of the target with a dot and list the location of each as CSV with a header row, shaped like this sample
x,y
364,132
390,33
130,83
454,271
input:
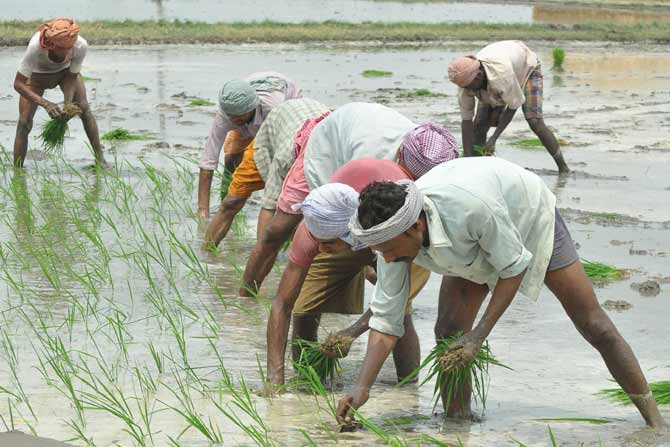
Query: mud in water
x,y
647,288
606,102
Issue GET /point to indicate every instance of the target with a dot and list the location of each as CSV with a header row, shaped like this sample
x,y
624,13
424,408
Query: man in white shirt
x,y
243,106
353,131
53,59
503,77
486,225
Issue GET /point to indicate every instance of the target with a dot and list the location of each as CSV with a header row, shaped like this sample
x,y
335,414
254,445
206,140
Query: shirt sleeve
x,y
466,102
502,245
390,297
304,247
78,57
217,135
28,61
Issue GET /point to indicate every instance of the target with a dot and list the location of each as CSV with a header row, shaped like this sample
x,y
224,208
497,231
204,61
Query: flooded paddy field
x,y
117,329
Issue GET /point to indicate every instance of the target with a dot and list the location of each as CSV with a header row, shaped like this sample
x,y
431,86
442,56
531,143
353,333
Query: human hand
x,y
337,345
467,347
53,110
490,147
349,403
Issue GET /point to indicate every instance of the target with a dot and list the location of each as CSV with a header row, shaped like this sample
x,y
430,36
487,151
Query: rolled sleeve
x,y
217,135
502,245
466,102
390,297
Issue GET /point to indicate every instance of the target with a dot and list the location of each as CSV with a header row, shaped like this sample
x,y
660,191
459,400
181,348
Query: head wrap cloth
x,y
427,146
327,211
238,97
463,70
401,221
58,33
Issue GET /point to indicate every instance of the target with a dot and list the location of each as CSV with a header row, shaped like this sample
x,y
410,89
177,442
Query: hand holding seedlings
x,y
462,352
52,109
336,346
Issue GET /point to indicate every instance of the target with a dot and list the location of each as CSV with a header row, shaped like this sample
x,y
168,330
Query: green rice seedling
x,y
577,420
53,131
558,54
529,143
226,180
376,73
420,92
314,383
90,79
121,134
454,378
12,360
660,391
196,102
598,271
314,354
157,357
396,440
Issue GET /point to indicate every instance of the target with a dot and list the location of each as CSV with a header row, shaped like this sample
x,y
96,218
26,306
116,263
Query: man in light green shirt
x,y
485,224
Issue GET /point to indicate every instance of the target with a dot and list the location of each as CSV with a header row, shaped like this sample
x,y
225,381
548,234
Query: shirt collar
x,y
436,233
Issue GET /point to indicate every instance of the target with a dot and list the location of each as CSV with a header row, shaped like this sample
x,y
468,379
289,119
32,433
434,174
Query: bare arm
x,y
380,346
204,189
22,88
265,252
503,122
468,133
69,84
280,318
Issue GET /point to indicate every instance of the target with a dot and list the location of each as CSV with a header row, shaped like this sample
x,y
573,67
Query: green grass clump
x,y
420,92
601,272
660,390
200,102
452,377
313,354
53,131
121,134
558,54
529,143
376,74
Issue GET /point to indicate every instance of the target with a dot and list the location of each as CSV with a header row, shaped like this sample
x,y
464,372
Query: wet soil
x,y
609,98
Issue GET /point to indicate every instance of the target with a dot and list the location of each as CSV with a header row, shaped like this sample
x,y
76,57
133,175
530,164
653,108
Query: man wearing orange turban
x,y
53,59
502,78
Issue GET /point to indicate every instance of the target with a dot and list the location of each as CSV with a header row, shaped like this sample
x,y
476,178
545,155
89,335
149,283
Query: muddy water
x,y
609,104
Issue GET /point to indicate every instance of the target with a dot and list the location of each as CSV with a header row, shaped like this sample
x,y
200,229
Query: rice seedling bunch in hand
x,y
54,131
324,357
455,376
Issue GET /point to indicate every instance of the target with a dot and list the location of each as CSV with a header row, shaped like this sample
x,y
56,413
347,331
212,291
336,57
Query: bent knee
x,y
232,203
24,125
535,123
600,332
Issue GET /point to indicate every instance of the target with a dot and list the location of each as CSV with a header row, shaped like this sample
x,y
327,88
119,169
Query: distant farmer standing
x,y
53,58
243,106
503,77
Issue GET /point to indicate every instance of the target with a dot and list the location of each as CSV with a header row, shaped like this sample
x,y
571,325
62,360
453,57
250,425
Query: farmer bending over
x,y
264,167
53,59
353,131
243,106
327,268
486,225
503,77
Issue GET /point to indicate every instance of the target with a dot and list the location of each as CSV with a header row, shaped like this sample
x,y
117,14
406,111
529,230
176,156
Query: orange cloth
x,y
58,33
246,178
235,143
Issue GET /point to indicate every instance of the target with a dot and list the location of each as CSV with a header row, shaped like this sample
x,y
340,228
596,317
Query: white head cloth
x,y
327,211
397,224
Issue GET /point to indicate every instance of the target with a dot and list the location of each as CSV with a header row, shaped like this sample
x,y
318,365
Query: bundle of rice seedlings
x,y
54,131
324,357
601,272
660,391
558,54
454,376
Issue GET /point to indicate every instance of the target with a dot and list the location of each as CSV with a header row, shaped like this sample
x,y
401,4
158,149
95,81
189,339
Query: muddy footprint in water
x,y
646,288
616,305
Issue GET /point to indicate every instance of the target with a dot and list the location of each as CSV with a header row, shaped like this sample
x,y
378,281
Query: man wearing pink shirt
x,y
326,270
